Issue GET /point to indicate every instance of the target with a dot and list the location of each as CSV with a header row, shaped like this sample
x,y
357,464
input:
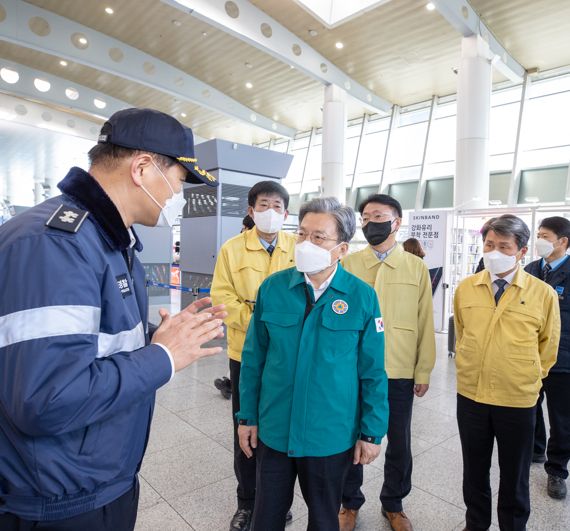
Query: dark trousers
x,y
119,515
513,428
320,478
398,464
244,468
556,387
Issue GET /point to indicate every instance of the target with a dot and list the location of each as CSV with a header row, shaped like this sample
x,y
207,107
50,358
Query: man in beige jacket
x,y
403,285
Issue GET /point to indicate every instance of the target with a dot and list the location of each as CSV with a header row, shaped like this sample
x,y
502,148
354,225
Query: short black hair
x,y
559,225
382,199
248,222
109,156
508,225
267,188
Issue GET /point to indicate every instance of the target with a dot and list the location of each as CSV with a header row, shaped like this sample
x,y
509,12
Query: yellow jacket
x,y
403,286
504,350
242,265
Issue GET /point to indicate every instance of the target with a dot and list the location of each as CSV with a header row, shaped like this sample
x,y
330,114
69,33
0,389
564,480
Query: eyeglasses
x,y
376,218
315,237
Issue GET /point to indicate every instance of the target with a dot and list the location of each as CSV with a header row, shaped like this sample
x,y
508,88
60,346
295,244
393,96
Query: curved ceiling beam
x,y
466,21
250,24
67,39
61,92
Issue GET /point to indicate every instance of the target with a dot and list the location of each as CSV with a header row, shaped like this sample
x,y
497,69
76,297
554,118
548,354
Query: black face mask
x,y
377,233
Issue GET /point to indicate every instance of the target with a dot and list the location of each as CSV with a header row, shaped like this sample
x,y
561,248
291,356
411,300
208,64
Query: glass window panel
x,y
350,148
503,128
439,169
442,145
547,122
311,186
414,117
501,162
281,147
368,179
354,130
545,157
408,145
314,164
377,124
499,187
439,193
294,204
295,173
550,86
404,174
301,141
364,192
405,193
547,185
444,110
510,95
372,151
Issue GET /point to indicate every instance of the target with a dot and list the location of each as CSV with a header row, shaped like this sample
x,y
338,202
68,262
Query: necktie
x,y
501,285
270,250
545,271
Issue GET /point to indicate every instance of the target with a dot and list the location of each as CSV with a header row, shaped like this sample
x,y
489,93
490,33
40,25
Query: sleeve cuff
x,y
169,354
243,421
421,378
370,439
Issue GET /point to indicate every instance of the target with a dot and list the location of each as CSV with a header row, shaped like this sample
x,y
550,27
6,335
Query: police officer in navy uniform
x,y
554,268
78,372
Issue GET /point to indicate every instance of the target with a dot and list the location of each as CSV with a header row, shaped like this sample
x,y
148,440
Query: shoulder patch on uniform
x,y
67,218
379,324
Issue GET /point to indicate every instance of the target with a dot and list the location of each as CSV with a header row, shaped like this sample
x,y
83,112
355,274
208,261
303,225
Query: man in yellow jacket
x,y
244,262
507,326
402,283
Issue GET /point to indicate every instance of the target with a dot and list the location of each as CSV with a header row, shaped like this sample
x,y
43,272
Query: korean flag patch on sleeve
x,y
379,324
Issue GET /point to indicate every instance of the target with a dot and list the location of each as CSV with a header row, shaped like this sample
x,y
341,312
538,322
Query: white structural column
x,y
334,133
473,113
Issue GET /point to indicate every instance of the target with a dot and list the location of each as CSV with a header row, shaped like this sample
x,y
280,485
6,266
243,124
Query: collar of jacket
x,y
392,260
520,278
339,282
252,242
88,194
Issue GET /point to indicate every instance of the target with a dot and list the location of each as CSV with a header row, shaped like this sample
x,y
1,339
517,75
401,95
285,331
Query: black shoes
x,y
556,487
241,520
224,386
538,458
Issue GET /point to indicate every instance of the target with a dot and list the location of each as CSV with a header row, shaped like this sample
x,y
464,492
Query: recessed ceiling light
x,y
100,104
204,34
249,85
430,6
71,93
313,32
176,22
63,63
9,75
109,10
82,40
339,45
248,65
41,84
183,114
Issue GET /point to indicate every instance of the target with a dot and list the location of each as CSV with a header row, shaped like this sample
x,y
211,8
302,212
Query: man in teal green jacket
x,y
313,389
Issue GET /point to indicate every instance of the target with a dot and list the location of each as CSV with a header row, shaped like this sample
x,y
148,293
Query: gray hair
x,y
343,215
508,225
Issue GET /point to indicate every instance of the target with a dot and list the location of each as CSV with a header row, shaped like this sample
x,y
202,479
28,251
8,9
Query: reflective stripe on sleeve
x,y
126,341
48,321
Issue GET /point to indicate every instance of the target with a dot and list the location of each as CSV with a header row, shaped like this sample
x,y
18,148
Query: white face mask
x,y
497,262
543,247
172,207
268,221
311,259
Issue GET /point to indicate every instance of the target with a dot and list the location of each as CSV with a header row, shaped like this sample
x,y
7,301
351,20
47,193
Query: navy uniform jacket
x,y
313,387
559,279
77,376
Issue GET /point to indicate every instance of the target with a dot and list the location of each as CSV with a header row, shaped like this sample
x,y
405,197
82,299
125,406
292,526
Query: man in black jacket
x,y
554,268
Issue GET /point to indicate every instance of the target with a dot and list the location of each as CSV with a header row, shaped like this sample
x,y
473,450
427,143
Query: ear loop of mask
x,y
164,177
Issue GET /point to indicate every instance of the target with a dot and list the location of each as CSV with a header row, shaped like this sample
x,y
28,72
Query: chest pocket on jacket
x,y
403,303
340,335
247,277
279,324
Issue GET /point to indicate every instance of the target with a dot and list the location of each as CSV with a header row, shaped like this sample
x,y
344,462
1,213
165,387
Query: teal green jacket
x,y
314,387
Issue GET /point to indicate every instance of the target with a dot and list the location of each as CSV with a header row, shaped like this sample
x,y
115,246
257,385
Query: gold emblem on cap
x,y
186,159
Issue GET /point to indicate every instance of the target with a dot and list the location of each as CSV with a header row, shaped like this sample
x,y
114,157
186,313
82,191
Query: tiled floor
x,y
187,479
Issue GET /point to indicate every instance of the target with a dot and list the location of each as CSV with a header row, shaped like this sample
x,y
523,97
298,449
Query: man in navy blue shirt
x,y
78,370
554,268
